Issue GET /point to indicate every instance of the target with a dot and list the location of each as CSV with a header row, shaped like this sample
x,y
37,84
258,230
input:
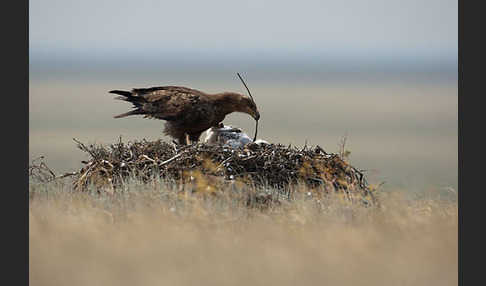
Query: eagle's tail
x,y
133,112
128,96
122,92
137,101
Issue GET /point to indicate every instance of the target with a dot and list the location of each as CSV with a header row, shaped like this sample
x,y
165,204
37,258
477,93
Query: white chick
x,y
228,136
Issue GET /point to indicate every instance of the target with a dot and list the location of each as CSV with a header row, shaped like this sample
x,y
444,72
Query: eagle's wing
x,y
154,93
164,102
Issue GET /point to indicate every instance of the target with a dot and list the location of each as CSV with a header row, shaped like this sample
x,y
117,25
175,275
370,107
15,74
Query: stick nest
x,y
212,166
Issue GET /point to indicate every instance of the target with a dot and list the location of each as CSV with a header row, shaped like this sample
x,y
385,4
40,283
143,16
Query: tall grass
x,y
156,234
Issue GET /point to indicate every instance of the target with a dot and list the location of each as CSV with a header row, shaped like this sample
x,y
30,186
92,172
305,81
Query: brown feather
x,y
187,111
133,112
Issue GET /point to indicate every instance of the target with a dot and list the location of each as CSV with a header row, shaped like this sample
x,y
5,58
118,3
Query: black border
x,y
471,125
460,167
15,141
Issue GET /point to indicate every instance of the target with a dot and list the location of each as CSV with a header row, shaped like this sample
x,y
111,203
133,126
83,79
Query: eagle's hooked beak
x,y
256,115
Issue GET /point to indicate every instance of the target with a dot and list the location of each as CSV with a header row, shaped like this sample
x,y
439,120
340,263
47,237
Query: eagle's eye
x,y
251,104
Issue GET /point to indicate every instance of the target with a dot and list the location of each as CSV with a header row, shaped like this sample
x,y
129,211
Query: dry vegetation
x,y
211,169
152,231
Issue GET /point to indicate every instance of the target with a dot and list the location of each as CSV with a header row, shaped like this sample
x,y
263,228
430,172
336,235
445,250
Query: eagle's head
x,y
241,103
249,106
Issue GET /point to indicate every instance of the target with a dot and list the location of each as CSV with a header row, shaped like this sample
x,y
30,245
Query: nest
x,y
210,167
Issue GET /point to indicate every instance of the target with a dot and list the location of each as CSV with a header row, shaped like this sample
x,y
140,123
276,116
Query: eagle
x,y
188,112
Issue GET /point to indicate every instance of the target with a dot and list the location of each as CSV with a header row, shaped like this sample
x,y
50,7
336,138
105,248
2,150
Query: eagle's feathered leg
x,y
194,137
183,140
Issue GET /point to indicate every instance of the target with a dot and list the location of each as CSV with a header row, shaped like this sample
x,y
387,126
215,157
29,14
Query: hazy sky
x,y
377,29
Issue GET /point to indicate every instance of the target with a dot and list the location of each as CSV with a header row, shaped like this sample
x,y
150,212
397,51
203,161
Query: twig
x,y
147,157
170,160
84,148
321,150
49,170
249,93
224,162
68,175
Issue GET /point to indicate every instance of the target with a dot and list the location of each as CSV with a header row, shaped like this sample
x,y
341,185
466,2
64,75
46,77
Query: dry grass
x,y
147,234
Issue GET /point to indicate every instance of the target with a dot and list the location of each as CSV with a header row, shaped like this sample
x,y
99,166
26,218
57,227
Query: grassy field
x,y
151,234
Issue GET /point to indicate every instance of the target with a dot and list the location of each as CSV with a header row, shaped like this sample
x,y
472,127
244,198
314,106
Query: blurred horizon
x,y
378,31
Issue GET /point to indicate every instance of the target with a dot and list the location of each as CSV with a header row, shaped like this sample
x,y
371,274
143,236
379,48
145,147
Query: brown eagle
x,y
188,112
